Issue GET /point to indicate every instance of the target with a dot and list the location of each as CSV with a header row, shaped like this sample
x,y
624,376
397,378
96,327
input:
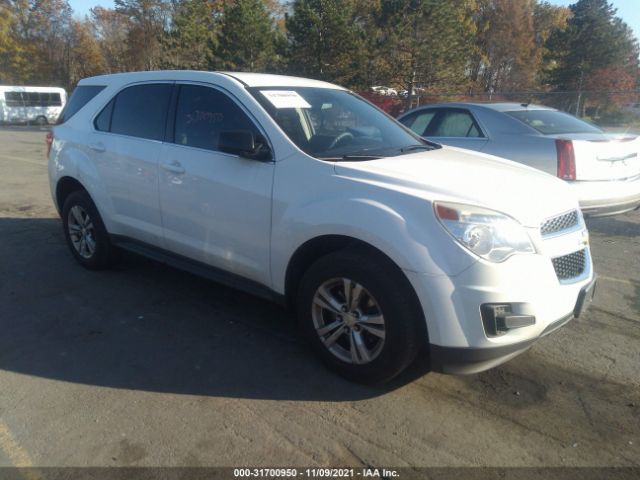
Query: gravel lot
x,y
145,365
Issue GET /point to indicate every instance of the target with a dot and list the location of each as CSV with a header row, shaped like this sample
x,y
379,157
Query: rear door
x,y
456,127
126,147
216,206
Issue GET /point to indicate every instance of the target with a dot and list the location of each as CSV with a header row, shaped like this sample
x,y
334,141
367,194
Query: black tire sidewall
x,y
102,257
384,281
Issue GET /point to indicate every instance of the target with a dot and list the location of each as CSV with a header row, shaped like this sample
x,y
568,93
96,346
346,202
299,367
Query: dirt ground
x,y
145,365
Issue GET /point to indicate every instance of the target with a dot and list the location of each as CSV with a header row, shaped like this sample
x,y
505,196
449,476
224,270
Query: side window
x,y
79,98
420,121
141,111
33,99
455,123
203,112
55,100
13,99
103,120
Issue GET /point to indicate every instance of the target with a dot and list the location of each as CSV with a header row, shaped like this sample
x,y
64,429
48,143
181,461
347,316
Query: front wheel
x,y
360,315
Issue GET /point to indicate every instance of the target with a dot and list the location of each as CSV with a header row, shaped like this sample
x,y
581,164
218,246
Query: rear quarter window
x,y
79,98
419,121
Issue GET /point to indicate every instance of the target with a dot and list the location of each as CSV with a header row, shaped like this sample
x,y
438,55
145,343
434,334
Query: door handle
x,y
174,167
97,147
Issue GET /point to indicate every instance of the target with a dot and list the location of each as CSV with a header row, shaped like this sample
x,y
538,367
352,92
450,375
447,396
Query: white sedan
x,y
602,169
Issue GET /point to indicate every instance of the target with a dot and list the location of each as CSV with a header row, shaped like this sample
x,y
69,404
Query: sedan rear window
x,y
552,122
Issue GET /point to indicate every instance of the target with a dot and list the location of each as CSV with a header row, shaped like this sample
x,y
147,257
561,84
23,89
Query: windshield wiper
x,y
351,157
410,148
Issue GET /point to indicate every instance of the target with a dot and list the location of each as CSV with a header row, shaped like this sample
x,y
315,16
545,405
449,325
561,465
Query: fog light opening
x,y
500,318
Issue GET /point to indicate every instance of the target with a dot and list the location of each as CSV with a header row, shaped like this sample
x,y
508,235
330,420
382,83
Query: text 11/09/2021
x,y
315,473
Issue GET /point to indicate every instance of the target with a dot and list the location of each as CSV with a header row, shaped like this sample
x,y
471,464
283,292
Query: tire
x,y
85,232
384,294
41,121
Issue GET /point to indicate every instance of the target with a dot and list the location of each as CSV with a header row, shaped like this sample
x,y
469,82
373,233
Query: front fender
x,y
406,234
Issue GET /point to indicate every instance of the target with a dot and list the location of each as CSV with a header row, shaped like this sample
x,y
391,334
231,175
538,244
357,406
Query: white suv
x,y
302,192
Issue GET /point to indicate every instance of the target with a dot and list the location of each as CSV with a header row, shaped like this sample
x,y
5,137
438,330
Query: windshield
x,y
335,124
551,122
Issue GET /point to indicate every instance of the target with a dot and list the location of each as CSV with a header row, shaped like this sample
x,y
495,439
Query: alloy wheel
x,y
81,231
348,321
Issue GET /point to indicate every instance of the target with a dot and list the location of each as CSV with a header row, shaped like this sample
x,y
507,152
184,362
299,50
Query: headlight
x,y
489,234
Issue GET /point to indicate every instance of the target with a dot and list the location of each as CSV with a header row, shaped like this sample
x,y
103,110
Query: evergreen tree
x,y
248,37
325,40
548,20
192,40
595,40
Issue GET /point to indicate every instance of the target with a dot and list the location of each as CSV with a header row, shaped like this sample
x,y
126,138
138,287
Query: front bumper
x,y
523,287
464,361
601,198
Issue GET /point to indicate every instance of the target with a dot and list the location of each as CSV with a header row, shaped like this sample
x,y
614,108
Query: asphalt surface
x,y
145,365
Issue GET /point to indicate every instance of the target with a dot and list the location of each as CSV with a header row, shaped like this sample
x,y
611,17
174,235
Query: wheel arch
x,y
66,186
317,247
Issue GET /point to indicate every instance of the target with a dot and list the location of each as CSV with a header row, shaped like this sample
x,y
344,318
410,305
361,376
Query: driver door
x,y
216,206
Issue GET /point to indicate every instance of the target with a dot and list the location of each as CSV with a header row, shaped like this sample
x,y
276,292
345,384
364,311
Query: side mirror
x,y
244,144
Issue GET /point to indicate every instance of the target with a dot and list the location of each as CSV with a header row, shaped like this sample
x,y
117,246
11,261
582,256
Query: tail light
x,y
49,141
566,160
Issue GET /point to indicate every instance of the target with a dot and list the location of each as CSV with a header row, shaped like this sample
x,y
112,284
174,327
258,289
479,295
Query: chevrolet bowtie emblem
x,y
584,240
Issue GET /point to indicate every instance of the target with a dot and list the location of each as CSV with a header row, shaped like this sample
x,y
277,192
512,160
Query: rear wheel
x,y
85,233
359,314
41,121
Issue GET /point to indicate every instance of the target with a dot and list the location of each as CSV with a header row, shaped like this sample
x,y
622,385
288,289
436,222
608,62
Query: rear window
x,y
79,98
551,122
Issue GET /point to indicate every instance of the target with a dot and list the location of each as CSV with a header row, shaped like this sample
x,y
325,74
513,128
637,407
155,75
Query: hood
x,y
463,176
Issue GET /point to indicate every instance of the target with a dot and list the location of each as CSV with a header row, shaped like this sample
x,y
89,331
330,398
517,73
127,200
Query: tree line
x,y
435,46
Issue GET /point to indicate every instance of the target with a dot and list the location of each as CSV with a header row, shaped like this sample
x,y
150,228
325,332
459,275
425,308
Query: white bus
x,y
39,105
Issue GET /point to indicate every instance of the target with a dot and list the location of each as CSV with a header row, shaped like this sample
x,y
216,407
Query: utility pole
x,y
580,82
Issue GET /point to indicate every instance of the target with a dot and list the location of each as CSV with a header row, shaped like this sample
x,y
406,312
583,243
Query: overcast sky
x,y
629,10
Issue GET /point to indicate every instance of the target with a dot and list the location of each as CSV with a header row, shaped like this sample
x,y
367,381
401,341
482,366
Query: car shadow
x,y
145,326
620,225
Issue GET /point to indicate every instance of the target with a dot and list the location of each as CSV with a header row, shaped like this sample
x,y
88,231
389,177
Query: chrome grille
x,y
559,223
570,266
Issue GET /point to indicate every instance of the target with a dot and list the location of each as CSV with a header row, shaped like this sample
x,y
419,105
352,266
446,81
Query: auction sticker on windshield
x,y
285,99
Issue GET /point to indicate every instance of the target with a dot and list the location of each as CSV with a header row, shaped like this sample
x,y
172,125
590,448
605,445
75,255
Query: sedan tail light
x,y
566,160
